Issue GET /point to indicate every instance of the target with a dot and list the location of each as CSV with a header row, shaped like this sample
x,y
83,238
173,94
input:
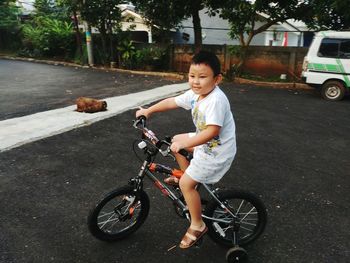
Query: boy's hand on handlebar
x,y
176,147
178,143
142,112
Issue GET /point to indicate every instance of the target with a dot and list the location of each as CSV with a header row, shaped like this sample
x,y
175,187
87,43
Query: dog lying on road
x,y
90,105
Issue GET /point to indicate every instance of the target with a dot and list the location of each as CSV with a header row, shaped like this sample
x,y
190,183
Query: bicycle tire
x,y
251,213
119,214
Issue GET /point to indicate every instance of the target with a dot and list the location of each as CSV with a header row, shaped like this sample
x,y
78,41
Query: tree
x,y
8,21
44,7
73,7
168,14
330,14
49,32
8,14
243,15
105,15
163,14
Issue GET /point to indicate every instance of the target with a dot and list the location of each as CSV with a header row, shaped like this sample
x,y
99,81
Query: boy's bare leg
x,y
182,161
193,200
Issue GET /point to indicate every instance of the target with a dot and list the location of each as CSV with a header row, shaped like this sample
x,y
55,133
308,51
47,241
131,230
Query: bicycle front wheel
x,y
119,214
250,218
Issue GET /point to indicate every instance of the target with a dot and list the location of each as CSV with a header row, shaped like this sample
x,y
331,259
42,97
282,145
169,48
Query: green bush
x,y
127,54
152,58
48,37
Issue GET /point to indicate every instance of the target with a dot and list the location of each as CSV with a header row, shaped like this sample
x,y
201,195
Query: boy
x,y
213,143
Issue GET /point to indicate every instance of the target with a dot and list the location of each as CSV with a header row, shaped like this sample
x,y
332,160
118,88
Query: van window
x,y
344,51
334,48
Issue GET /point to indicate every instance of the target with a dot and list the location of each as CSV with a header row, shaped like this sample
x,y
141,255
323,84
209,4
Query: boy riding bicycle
x,y
214,142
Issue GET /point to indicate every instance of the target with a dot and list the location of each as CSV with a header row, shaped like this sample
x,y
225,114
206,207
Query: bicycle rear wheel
x,y
251,218
119,214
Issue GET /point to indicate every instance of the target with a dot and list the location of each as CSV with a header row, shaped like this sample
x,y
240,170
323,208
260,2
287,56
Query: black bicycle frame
x,y
172,196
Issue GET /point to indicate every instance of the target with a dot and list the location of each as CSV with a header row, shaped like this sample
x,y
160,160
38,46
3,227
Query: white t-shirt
x,y
211,160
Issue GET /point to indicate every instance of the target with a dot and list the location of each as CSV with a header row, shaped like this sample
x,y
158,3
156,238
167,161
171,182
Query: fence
x,y
261,60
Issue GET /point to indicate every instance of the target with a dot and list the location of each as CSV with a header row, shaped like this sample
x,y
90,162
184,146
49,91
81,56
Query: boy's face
x,y
201,79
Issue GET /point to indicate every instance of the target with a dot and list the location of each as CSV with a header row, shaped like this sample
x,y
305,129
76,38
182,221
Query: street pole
x,y
89,44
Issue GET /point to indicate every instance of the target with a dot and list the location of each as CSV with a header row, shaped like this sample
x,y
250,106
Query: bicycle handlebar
x,y
158,143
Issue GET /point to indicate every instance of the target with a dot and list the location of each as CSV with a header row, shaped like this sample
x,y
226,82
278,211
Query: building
x,y
215,32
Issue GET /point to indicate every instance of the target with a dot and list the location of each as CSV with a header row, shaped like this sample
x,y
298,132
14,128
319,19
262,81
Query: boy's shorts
x,y
207,169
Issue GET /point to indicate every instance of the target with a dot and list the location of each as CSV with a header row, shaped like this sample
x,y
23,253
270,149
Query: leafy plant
x,y
127,51
49,36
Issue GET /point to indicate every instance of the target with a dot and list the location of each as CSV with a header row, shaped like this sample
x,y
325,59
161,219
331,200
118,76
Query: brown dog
x,y
90,105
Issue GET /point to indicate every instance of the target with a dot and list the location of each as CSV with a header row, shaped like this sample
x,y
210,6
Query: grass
x,y
264,78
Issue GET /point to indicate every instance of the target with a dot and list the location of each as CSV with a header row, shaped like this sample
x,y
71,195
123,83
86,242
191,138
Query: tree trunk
x,y
103,34
197,30
78,36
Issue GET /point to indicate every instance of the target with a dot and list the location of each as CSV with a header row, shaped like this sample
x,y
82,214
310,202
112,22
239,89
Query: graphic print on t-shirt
x,y
199,121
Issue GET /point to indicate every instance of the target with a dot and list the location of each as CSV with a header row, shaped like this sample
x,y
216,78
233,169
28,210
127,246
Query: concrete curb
x,y
170,75
18,131
278,85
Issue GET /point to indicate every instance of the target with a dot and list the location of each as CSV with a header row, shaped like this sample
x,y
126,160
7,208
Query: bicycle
x,y
234,218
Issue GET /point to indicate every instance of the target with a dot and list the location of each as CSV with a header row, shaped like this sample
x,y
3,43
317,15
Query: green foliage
x,y
9,25
8,14
163,13
102,14
48,37
49,8
235,50
330,14
127,53
106,17
243,14
145,58
168,14
152,58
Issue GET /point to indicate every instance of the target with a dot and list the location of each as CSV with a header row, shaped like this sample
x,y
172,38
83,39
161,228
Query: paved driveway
x,y
292,151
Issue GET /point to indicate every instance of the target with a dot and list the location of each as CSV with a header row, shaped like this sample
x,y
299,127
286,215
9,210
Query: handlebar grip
x,y
186,154
142,118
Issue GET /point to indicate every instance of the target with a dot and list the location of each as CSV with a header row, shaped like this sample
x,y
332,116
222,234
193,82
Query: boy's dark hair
x,y
208,58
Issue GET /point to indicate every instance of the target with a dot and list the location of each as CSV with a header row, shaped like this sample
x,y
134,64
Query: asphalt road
x,y
27,87
293,150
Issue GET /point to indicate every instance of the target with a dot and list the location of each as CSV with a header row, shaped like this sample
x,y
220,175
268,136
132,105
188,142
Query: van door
x,y
333,60
344,60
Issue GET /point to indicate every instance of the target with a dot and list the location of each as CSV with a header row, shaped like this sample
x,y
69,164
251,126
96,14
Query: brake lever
x,y
140,120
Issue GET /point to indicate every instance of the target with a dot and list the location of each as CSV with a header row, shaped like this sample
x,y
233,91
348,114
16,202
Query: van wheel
x,y
333,90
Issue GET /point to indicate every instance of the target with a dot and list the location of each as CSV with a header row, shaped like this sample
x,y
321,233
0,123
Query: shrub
x,y
49,37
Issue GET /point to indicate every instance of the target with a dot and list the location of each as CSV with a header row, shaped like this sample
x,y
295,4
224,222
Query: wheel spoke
x,y
253,208
247,229
239,208
246,216
108,220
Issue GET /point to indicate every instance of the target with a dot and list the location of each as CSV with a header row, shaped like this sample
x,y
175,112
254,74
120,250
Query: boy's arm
x,y
202,137
164,105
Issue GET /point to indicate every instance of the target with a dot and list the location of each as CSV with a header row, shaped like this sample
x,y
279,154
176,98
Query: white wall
x,y
215,31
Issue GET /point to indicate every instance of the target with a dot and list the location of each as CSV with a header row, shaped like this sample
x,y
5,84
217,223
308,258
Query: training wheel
x,y
236,255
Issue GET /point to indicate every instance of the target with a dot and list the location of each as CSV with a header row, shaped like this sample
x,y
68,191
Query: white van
x,y
327,64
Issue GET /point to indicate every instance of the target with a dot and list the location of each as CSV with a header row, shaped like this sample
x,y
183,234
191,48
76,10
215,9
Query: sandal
x,y
192,237
172,180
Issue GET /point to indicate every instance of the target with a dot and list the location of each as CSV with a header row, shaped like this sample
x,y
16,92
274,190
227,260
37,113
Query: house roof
x,y
137,23
289,25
